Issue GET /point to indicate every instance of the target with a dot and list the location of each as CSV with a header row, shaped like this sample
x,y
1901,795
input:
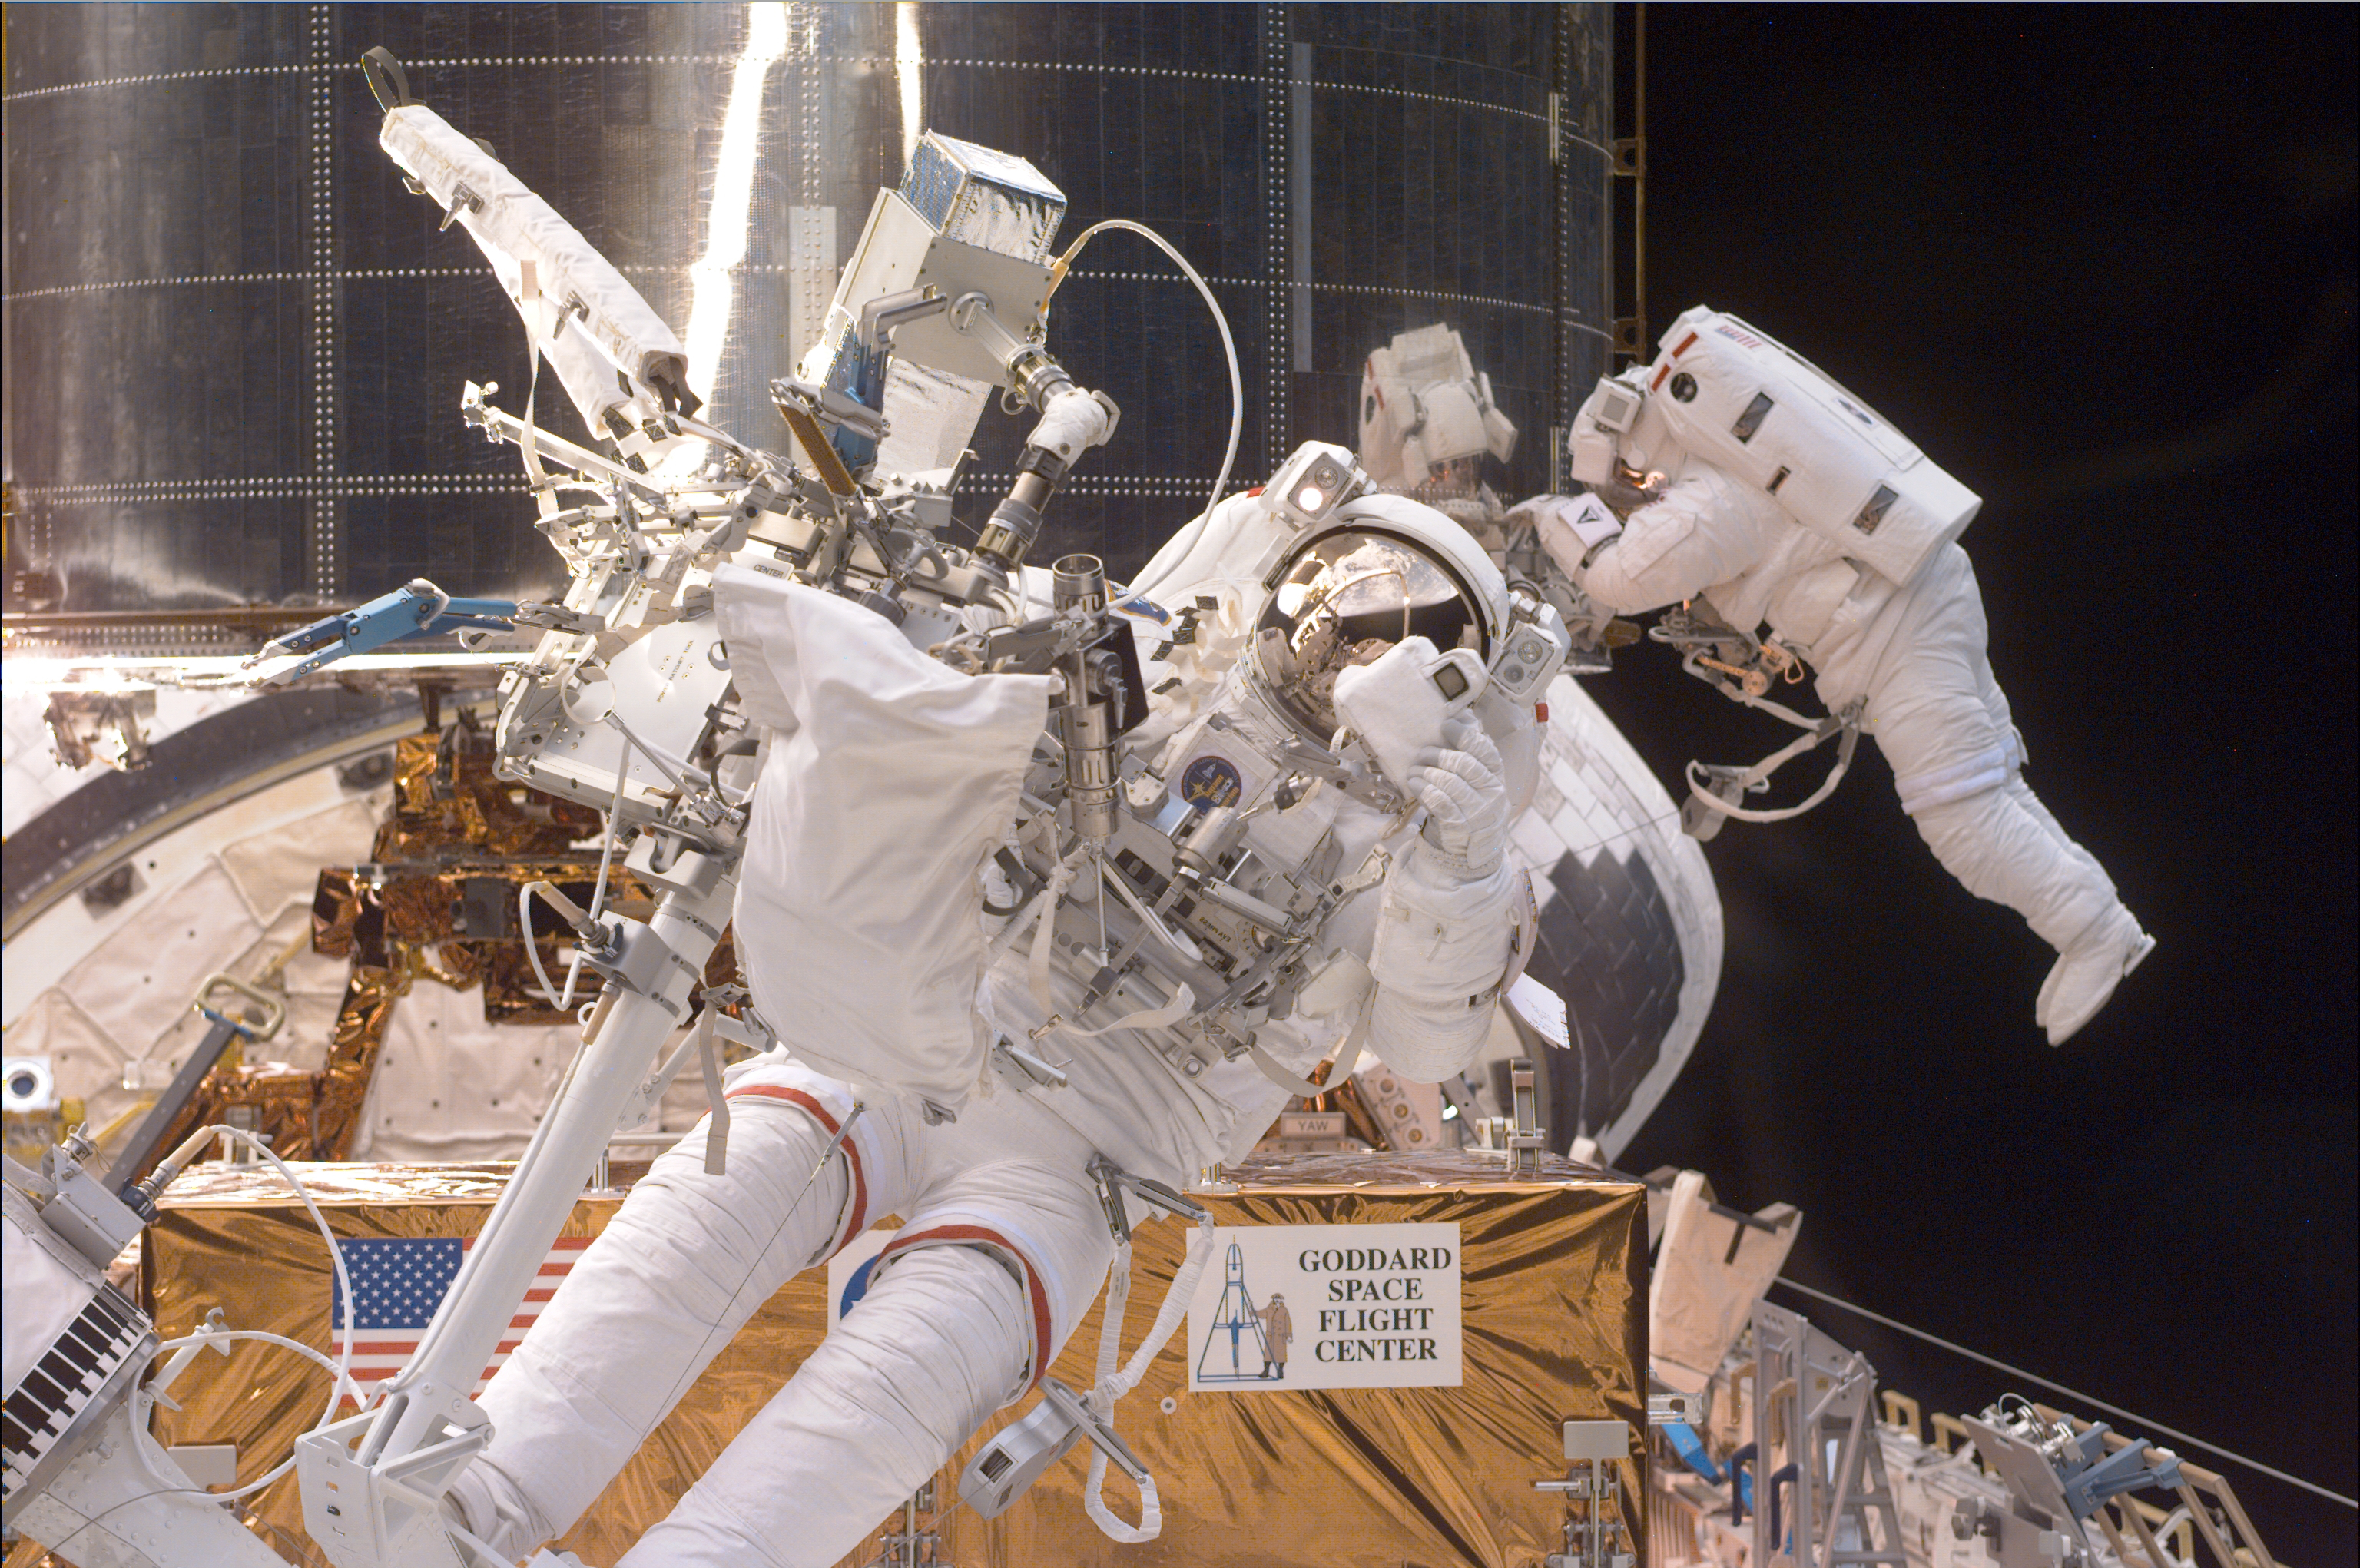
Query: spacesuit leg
x,y
1943,722
680,1267
971,1298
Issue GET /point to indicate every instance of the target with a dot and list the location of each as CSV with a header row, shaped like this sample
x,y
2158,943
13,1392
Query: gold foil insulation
x,y
1555,1308
439,903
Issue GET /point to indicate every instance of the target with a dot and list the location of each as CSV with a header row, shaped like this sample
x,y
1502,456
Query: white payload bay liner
x,y
1740,400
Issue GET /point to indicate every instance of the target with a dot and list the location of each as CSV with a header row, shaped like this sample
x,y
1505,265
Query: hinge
x,y
1557,128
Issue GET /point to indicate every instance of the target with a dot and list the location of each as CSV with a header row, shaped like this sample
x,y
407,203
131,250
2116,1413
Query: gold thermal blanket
x,y
1554,1315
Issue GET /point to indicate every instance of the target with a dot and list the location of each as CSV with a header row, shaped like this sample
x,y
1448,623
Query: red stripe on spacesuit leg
x,y
856,1214
957,1234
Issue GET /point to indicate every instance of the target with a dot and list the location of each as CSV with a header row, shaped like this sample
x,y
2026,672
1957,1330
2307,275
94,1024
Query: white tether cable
x,y
1114,1384
1229,348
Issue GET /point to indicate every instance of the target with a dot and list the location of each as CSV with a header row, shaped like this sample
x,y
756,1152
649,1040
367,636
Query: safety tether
x,y
1717,790
1114,1384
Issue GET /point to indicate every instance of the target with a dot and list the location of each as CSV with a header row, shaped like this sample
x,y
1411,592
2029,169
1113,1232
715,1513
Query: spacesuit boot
x,y
2086,972
2003,845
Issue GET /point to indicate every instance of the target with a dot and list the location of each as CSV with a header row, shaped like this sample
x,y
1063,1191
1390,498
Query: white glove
x,y
1464,788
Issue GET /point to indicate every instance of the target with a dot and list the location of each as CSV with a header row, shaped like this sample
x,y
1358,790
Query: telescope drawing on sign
x,y
1235,1316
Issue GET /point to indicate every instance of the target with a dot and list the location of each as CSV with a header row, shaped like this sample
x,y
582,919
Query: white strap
x,y
528,298
1151,1509
717,1130
1036,970
1112,1385
1762,770
1845,724
1347,1056
1183,1002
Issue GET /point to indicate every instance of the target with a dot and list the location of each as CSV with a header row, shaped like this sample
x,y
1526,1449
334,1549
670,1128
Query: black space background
x,y
2099,263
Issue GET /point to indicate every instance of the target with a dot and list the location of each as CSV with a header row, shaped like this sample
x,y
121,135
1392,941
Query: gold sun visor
x,y
1348,598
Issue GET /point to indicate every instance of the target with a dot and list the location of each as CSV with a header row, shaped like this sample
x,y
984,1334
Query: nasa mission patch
x,y
1210,781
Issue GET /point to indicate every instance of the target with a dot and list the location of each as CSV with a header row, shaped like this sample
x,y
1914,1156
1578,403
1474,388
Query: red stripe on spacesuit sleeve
x,y
956,1234
857,1217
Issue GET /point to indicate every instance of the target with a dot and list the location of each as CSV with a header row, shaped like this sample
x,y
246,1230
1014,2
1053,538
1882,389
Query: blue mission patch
x,y
1211,781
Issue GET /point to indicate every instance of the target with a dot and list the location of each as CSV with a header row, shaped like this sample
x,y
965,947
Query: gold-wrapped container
x,y
1554,1309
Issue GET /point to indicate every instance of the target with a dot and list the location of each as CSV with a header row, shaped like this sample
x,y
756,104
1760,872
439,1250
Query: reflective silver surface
x,y
234,344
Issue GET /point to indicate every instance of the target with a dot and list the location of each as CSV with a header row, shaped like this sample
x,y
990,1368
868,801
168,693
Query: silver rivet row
x,y
323,300
137,492
478,62
1475,105
1160,485
357,274
1278,339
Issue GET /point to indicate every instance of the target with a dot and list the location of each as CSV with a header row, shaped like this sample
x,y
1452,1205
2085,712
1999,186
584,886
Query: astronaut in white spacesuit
x,y
1379,613
1428,420
1734,472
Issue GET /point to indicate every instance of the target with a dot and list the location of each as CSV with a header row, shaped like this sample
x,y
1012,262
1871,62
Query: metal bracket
x,y
1113,1181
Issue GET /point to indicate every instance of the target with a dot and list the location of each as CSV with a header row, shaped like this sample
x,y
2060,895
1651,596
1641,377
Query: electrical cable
x,y
298,1346
169,1171
2075,1394
1229,347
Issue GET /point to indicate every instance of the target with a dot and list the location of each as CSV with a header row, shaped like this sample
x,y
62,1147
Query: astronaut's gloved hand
x,y
1464,788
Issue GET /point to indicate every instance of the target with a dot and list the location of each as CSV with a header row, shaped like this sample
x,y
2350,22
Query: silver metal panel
x,y
234,344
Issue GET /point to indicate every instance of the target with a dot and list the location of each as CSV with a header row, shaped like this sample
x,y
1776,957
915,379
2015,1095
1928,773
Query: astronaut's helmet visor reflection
x,y
1346,600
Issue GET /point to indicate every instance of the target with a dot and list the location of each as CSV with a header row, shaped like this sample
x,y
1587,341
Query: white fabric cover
x,y
449,1084
1702,1293
513,226
45,1291
890,783
1916,654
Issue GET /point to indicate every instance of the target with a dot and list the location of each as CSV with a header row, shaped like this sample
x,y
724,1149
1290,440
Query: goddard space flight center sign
x,y
1326,1307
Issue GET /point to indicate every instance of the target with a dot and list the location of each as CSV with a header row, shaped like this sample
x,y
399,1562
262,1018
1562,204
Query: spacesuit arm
x,y
1444,943
1447,930
1707,528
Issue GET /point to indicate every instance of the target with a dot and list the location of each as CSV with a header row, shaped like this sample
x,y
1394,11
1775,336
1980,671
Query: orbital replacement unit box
x,y
1442,1318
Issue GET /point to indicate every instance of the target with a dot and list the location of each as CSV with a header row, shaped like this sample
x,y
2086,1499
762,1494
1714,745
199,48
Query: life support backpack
x,y
1754,408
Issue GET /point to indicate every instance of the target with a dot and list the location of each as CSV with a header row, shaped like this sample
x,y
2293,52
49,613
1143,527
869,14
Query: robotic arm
x,y
628,703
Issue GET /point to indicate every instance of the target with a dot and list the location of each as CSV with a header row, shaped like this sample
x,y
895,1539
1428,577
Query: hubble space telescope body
x,y
1201,923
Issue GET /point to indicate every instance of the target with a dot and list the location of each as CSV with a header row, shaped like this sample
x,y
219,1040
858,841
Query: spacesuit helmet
x,y
1379,570
1619,435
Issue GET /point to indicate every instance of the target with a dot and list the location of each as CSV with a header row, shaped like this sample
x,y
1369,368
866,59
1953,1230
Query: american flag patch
x,y
399,1282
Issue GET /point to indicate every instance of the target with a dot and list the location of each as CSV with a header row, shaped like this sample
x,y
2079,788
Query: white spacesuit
x,y
1004,1240
1428,420
1739,474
